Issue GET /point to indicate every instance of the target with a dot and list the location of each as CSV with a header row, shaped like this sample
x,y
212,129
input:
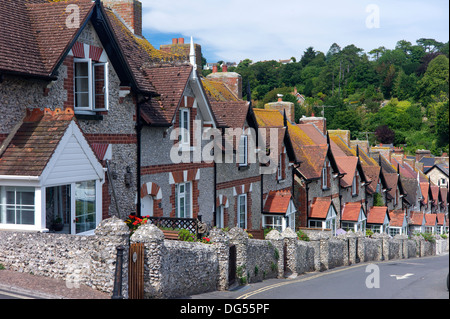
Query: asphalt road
x,y
417,278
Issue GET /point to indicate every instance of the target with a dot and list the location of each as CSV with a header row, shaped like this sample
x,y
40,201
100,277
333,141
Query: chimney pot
x,y
174,41
180,40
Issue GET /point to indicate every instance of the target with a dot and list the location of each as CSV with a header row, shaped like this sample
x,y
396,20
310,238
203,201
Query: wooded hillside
x,y
395,95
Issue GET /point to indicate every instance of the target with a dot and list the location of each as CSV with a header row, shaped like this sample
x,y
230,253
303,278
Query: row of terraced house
x,y
95,122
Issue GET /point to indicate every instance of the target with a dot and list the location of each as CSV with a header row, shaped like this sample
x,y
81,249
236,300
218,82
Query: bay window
x,y
17,205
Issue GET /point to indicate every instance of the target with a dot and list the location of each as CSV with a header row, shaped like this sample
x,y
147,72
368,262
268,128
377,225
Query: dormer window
x,y
90,85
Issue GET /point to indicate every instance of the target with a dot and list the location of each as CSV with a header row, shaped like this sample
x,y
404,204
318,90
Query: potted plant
x,y
57,224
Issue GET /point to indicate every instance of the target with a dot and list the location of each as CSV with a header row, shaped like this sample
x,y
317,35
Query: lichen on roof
x,y
218,91
154,55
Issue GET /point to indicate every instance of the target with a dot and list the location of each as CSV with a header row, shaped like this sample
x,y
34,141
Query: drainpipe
x,y
138,127
307,182
215,194
340,176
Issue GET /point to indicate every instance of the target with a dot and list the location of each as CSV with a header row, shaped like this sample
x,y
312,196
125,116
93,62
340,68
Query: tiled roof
x,y
377,214
430,219
416,218
34,35
392,182
138,52
373,174
397,217
312,158
231,114
277,202
268,118
350,211
320,207
435,193
218,91
440,219
169,82
424,187
348,165
32,146
444,195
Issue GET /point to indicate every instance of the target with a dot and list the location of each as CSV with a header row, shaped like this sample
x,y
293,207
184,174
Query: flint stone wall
x,y
88,260
177,269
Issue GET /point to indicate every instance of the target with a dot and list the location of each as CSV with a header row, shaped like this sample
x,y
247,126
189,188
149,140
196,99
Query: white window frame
x,y
185,136
105,88
278,222
186,197
16,206
91,86
240,223
243,151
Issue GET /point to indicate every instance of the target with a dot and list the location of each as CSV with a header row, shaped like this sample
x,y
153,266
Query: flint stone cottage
x,y
95,122
87,113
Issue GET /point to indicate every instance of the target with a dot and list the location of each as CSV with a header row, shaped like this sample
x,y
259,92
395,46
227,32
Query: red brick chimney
x,y
215,69
224,68
180,40
174,41
130,11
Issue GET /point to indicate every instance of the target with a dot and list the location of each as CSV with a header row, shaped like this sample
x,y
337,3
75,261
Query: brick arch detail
x,y
151,189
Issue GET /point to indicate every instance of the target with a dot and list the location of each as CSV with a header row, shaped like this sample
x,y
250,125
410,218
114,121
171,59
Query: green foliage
x,y
186,235
413,77
428,237
378,200
302,235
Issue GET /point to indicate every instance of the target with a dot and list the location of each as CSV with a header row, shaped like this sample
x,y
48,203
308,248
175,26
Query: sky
x,y
259,30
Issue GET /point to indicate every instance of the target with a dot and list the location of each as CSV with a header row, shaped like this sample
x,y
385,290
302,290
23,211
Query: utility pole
x,y
323,109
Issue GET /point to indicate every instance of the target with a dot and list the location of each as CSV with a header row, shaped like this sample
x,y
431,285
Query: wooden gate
x,y
136,271
232,265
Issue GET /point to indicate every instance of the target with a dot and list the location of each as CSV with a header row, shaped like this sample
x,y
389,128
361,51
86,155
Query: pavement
x,y
40,287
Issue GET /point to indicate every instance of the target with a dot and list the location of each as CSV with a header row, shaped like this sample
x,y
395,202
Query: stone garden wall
x,y
176,269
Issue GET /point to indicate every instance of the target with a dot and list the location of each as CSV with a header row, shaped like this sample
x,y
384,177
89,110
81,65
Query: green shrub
x,y
186,235
302,235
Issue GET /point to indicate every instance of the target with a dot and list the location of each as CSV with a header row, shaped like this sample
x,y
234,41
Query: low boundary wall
x,y
176,269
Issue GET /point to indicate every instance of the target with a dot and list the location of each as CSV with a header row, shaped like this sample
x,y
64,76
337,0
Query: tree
x,y
384,134
436,78
308,56
442,125
430,45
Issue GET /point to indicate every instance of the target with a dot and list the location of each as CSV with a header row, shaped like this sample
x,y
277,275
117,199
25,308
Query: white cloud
x,y
266,29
